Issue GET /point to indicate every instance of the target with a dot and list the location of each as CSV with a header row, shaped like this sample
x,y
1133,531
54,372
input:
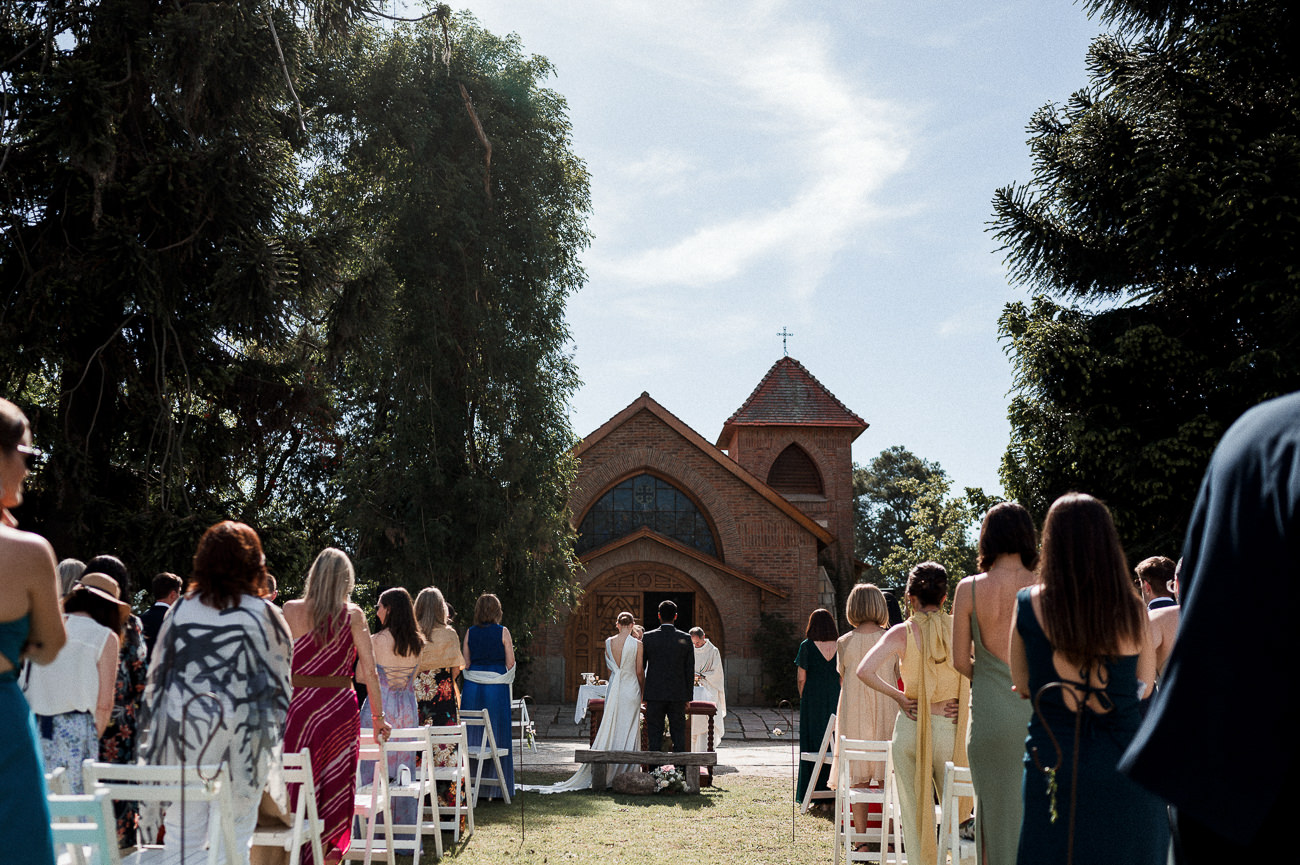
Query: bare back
x,y
994,599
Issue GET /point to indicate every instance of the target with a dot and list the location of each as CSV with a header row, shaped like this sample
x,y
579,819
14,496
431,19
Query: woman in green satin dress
x,y
981,637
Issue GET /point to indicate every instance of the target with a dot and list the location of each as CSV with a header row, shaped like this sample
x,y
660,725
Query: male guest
x,y
1218,743
669,679
1156,576
166,589
708,671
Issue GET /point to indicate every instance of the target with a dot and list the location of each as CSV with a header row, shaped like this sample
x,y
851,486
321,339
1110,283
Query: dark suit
x,y
669,657
1162,601
151,620
1218,743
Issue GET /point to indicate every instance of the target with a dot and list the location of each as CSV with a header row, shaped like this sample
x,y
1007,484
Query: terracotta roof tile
x,y
789,395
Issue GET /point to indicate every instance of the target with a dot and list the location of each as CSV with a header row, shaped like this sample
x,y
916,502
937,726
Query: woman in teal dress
x,y
982,610
1081,650
818,678
31,627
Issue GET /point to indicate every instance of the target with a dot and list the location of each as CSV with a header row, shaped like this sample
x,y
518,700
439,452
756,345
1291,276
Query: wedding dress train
x,y
620,727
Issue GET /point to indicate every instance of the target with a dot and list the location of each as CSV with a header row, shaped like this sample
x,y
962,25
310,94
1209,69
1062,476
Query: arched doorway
x,y
637,588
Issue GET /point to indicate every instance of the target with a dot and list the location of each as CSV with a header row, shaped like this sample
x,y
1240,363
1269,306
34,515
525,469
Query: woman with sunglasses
x,y
31,627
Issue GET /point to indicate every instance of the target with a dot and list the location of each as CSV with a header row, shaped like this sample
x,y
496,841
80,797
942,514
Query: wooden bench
x,y
681,759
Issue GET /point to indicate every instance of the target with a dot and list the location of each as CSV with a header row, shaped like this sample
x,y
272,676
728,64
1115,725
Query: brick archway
x,y
625,588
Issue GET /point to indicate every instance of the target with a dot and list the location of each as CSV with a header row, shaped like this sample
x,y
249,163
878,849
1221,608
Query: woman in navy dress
x,y
490,666
1082,651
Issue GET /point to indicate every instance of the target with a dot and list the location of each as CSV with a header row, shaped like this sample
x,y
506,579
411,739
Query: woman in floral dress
x,y
435,678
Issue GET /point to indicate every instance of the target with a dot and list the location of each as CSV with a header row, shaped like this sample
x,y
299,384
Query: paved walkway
x,y
758,741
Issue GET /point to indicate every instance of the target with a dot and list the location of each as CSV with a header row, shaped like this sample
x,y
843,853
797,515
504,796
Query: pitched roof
x,y
789,395
647,403
721,567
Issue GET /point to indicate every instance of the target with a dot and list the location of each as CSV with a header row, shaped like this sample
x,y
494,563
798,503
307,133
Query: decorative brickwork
x,y
769,546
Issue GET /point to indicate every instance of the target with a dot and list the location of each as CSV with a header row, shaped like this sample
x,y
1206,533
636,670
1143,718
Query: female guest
x,y
330,636
440,662
72,698
933,703
32,629
490,656
620,725
819,691
862,713
220,639
436,698
397,656
70,570
1080,649
118,744
983,607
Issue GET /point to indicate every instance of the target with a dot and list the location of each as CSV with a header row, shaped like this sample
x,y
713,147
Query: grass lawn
x,y
740,819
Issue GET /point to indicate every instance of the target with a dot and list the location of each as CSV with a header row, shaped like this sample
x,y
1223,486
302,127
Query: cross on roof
x,y
784,336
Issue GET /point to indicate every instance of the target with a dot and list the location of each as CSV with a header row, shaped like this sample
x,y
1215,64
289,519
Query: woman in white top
x,y
72,698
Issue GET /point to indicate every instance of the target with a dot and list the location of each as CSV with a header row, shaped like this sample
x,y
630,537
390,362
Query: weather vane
x,y
784,336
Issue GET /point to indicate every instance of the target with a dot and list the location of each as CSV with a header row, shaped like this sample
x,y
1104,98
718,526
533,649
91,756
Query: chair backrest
x,y
94,825
203,784
295,767
480,718
375,751
57,781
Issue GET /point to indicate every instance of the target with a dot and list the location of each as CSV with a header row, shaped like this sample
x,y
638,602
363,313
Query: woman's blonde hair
x,y
430,611
330,581
866,604
488,610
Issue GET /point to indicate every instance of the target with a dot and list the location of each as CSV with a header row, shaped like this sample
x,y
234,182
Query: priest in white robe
x,y
708,674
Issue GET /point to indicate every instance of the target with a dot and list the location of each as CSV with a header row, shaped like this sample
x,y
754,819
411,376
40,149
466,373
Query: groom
x,y
669,677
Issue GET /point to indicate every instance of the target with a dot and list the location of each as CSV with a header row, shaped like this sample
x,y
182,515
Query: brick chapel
x,y
753,522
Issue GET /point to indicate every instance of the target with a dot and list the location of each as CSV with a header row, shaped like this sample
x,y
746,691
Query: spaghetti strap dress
x,y
1101,817
821,695
995,746
24,816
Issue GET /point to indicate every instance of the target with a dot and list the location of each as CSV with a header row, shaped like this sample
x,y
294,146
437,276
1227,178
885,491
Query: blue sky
x,y
825,167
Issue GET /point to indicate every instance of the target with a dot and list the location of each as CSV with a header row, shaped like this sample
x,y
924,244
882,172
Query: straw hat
x,y
105,587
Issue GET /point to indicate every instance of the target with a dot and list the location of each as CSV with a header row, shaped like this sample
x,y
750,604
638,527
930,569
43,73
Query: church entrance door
x,y
638,587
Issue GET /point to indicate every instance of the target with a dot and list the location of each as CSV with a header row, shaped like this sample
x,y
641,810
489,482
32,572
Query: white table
x,y
587,693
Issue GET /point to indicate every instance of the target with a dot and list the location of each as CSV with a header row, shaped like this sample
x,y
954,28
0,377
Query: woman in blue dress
x,y
31,627
490,669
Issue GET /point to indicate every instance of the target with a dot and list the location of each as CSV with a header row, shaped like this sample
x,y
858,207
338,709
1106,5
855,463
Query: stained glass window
x,y
645,500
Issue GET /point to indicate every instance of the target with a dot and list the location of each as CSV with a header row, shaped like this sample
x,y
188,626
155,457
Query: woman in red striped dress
x,y
329,636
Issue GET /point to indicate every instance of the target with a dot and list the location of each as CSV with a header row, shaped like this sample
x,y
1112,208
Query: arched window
x,y
795,472
645,500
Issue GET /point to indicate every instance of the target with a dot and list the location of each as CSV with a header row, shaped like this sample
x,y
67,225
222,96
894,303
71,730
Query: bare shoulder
x,y
26,554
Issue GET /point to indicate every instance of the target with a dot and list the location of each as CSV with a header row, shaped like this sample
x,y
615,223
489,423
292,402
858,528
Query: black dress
x,y
1114,821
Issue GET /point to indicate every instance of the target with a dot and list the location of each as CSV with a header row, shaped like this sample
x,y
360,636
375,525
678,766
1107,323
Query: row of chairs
x,y
882,843
85,830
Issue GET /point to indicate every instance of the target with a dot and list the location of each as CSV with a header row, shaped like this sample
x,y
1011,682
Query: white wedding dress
x,y
620,726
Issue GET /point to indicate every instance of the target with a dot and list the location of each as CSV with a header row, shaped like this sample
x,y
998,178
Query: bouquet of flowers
x,y
530,736
669,779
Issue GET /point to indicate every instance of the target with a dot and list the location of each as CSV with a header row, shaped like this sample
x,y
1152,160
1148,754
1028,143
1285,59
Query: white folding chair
x,y
957,785
370,804
448,817
132,783
519,724
821,758
486,751
306,824
57,781
413,742
847,835
85,827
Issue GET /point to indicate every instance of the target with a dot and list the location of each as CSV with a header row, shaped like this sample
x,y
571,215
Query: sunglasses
x,y
31,455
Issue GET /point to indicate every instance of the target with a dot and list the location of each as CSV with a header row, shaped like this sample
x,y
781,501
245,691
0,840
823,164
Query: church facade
x,y
755,522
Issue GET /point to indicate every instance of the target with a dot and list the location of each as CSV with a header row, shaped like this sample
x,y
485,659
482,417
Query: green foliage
x,y
939,531
777,641
446,335
1160,235
883,502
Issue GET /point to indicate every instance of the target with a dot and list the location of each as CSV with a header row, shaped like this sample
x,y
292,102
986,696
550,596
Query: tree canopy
x,y
268,260
1159,236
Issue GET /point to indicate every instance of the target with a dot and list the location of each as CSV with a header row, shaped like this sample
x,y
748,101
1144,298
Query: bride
x,y
620,728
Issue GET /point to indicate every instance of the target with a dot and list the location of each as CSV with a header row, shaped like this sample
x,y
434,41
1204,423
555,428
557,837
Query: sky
x,y
822,168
